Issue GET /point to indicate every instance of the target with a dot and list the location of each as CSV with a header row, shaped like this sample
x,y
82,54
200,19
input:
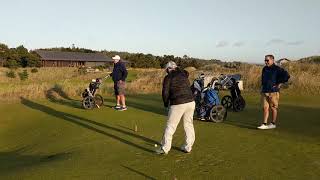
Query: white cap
x,y
171,65
116,57
93,80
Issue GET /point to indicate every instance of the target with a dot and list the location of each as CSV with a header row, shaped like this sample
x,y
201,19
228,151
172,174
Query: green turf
x,y
50,140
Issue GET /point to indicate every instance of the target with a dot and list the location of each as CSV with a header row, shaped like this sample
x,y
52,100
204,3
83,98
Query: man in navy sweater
x,y
119,75
272,78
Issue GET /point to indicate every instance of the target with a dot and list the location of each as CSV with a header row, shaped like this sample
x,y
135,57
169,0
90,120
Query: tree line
x,y
140,60
21,57
18,57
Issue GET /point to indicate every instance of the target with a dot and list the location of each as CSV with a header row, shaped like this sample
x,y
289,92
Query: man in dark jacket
x,y
272,78
119,75
177,96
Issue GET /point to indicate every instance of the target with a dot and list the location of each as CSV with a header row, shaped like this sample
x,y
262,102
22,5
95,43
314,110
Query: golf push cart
x,y
234,100
208,106
90,98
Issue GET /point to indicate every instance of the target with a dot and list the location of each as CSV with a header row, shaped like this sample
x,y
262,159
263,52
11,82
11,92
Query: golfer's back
x,y
180,91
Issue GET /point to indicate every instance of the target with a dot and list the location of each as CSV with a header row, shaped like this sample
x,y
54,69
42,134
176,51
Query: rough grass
x,y
305,80
59,140
42,83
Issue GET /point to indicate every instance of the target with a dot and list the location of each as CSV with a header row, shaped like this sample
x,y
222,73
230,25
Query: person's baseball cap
x,y
171,65
116,57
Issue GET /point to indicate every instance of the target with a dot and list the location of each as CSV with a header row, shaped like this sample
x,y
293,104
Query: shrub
x,y
11,74
23,75
11,63
34,70
82,70
101,68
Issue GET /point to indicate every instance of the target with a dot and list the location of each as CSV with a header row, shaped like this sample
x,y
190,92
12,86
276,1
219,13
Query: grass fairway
x,y
50,140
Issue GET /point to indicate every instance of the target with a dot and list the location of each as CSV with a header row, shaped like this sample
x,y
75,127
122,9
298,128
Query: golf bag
x,y
90,98
207,102
92,88
235,101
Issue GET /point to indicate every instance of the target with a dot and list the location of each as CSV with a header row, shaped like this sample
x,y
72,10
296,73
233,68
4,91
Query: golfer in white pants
x,y
176,113
177,95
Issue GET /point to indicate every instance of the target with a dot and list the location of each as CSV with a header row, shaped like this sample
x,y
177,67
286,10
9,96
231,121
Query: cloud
x,y
276,41
221,44
283,42
295,43
238,44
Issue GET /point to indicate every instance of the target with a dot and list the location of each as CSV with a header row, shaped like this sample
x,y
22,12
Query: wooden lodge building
x,y
72,59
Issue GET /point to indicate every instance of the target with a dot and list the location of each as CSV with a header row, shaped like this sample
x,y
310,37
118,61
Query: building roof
x,y
72,56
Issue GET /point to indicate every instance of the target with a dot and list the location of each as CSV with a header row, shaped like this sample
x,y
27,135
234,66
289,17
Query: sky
x,y
230,30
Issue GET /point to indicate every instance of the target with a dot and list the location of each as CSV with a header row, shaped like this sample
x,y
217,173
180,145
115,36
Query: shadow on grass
x,y
126,128
13,160
89,124
57,95
140,173
149,103
293,119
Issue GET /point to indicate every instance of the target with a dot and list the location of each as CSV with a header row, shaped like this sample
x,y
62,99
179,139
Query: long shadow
x,y
149,103
247,119
12,160
63,98
83,123
241,122
242,125
293,119
140,173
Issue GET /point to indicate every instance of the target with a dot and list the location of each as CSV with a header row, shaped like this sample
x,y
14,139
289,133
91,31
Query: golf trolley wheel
x,y
227,102
239,104
201,111
98,99
218,113
88,102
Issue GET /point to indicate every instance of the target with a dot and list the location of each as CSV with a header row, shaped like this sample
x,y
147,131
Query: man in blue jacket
x,y
272,78
119,75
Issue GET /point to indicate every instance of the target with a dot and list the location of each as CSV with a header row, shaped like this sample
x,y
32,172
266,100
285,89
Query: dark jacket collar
x,y
271,67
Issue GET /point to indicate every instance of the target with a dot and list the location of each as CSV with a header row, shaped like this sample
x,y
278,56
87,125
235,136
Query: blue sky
x,y
243,30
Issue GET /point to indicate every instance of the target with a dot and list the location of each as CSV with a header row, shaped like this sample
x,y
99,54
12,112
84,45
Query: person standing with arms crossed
x,y
272,78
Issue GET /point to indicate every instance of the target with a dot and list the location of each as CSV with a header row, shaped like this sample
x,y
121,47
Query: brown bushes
x,y
305,80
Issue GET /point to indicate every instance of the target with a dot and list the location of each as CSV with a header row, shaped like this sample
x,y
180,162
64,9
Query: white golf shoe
x,y
263,126
271,126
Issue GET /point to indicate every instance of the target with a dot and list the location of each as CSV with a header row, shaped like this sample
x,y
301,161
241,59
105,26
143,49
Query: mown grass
x,y
59,140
